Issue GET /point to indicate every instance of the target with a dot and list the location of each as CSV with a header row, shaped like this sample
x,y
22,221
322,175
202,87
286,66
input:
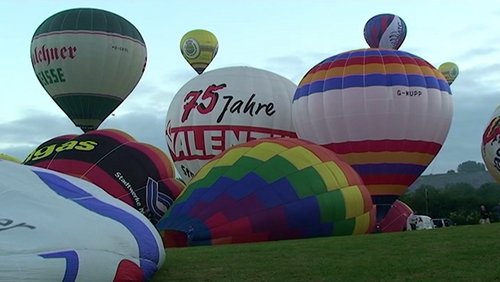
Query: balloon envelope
x,y
385,31
9,158
385,112
139,174
450,71
55,227
490,145
269,189
225,107
396,218
88,61
199,48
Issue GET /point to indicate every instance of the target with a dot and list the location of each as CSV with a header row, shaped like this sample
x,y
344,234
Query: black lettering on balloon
x,y
6,224
249,107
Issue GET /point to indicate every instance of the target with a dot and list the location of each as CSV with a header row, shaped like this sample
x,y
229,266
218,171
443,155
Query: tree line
x,y
459,202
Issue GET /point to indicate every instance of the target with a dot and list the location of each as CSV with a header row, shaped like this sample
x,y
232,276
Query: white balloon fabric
x,y
55,227
490,146
225,107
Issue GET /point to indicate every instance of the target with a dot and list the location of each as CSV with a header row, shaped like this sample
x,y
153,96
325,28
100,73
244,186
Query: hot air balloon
x,y
199,48
55,227
88,61
269,189
139,174
490,145
9,158
396,218
385,112
385,31
449,70
225,107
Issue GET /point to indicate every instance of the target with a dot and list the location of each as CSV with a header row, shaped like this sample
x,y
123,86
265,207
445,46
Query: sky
x,y
285,37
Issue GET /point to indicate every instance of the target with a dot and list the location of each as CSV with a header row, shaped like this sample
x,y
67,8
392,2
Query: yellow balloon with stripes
x,y
199,48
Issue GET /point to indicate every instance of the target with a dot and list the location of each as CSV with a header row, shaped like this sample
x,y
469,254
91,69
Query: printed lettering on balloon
x,y
249,107
44,152
186,171
492,132
49,54
192,100
118,175
6,224
203,142
206,101
410,93
497,159
395,36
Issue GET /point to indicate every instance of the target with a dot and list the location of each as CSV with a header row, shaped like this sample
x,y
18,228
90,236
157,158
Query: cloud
x,y
474,102
142,117
144,127
295,67
23,135
143,113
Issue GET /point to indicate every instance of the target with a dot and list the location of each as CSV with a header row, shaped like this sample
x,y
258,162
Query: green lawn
x,y
461,253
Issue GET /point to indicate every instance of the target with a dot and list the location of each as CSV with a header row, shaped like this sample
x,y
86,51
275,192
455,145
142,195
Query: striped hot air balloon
x,y
385,112
139,174
269,189
199,47
89,61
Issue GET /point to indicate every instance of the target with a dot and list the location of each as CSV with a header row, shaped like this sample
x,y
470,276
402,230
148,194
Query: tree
x,y
459,201
471,166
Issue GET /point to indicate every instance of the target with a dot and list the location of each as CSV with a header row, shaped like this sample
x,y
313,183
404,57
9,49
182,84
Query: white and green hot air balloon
x,y
89,61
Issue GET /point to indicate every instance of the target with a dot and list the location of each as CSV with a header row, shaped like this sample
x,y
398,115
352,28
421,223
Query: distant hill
x,y
475,179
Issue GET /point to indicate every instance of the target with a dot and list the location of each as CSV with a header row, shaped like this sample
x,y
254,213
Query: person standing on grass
x,y
485,215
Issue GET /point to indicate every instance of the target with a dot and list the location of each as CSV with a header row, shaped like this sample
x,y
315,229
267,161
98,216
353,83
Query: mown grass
x,y
461,253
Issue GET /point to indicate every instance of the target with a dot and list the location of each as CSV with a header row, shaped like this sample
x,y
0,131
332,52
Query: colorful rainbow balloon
x,y
269,189
385,112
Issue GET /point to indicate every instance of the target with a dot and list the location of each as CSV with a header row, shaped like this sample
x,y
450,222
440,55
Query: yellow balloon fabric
x,y
9,158
199,48
449,71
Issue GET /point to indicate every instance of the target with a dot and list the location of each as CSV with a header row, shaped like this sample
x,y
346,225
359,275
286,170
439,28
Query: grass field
x,y
461,253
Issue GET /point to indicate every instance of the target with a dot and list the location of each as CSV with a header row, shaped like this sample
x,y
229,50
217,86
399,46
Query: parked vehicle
x,y
420,222
442,222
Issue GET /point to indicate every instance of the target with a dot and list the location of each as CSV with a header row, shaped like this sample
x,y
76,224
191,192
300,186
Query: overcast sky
x,y
285,37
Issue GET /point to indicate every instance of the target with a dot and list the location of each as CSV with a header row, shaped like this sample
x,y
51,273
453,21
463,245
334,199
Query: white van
x,y
419,222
